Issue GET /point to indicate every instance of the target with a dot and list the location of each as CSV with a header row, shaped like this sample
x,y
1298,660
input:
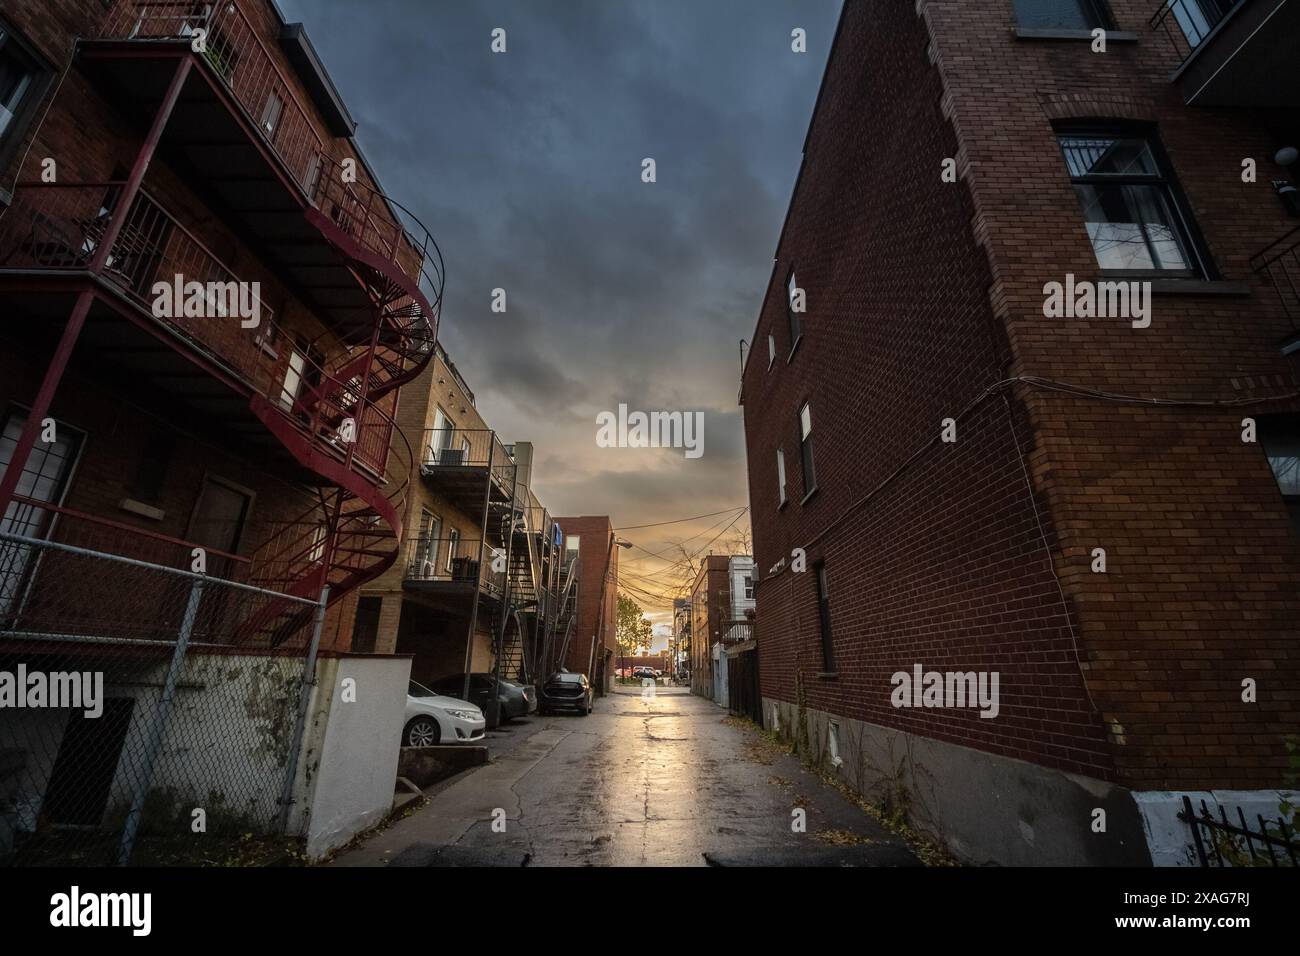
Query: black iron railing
x,y
1279,262
1224,843
453,560
1187,23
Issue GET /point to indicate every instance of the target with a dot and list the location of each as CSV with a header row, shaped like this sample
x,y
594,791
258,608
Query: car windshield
x,y
418,690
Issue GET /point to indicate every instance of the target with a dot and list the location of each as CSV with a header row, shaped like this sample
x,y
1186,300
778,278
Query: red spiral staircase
x,y
340,423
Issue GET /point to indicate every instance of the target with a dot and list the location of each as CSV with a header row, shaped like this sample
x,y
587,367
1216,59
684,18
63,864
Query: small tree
x,y
633,630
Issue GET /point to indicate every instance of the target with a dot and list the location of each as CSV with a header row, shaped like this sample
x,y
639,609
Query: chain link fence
x,y
148,714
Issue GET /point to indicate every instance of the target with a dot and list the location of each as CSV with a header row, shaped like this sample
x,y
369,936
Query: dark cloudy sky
x,y
526,167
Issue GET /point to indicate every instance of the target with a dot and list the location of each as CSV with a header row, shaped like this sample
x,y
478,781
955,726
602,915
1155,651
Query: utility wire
x,y
658,524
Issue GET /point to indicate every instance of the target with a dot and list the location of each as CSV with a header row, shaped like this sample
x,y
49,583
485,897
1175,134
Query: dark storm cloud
x,y
526,167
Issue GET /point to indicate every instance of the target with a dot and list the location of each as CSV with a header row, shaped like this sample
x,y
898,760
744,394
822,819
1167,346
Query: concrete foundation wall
x,y
986,808
225,749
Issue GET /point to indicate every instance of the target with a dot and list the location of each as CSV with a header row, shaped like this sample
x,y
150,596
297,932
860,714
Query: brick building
x,y
594,644
934,462
720,597
479,564
209,308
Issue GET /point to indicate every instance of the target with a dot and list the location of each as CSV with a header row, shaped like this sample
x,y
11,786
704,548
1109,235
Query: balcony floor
x,y
1249,60
142,359
210,141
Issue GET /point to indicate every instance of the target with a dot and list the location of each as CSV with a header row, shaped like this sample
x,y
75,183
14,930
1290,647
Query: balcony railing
x,y
467,448
237,54
1187,23
240,57
453,560
60,226
42,519
1279,262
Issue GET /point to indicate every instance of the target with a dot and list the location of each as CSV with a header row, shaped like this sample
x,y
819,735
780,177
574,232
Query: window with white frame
x,y
780,473
806,450
791,312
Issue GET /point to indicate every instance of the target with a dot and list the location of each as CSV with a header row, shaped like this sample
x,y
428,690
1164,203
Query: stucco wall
x,y
348,767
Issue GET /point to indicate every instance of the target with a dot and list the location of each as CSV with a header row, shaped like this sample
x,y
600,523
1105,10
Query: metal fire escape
x,y
365,267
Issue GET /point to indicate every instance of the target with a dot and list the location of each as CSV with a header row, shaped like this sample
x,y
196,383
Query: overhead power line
x,y
659,524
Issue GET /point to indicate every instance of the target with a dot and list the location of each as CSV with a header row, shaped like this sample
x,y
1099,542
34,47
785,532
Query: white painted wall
x,y
348,768
1168,837
739,567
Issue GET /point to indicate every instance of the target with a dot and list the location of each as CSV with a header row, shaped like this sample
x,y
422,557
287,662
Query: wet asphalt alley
x,y
662,780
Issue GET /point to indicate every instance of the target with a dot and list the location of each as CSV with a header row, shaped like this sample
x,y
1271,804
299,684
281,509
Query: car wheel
x,y
422,731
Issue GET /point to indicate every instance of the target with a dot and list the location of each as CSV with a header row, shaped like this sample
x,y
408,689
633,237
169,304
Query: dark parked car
x,y
515,700
568,691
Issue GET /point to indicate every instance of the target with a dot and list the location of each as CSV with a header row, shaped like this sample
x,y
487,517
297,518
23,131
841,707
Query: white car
x,y
434,719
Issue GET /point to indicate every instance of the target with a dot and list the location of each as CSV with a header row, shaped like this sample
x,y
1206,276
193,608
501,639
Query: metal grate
x,y
160,712
1224,843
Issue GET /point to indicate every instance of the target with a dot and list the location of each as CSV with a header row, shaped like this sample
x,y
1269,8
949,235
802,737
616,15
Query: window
x,y
453,545
365,626
780,472
151,469
1196,18
1061,14
311,178
1280,437
771,349
271,114
749,587
293,375
426,545
571,546
824,618
23,79
1129,205
45,477
796,324
440,439
806,450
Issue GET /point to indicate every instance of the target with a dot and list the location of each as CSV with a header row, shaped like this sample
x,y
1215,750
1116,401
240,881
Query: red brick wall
x,y
921,294
710,606
92,140
597,596
1203,582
